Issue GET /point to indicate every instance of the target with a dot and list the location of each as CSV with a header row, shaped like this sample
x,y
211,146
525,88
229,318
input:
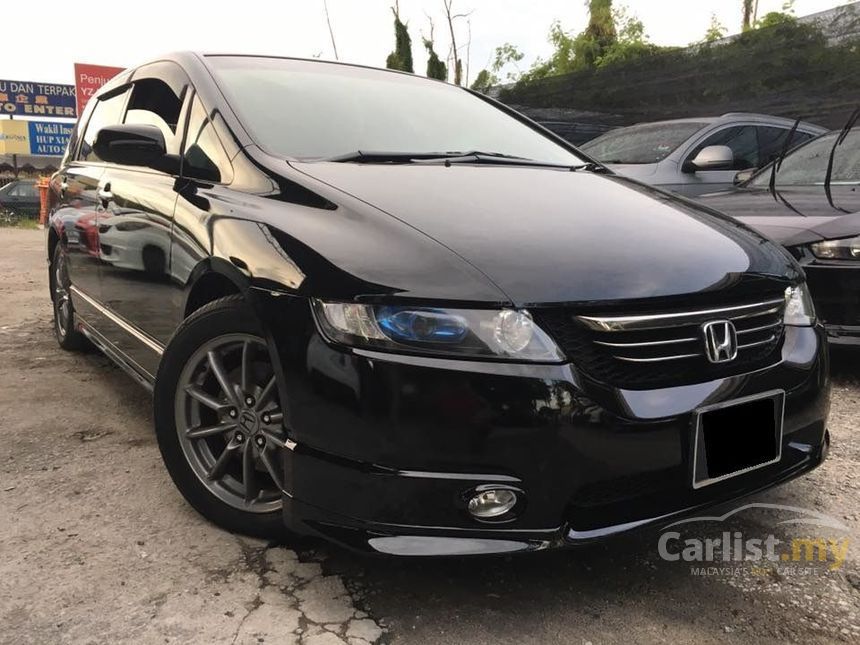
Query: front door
x,y
135,225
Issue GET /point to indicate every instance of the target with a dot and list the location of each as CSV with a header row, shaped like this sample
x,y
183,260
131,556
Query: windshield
x,y
807,165
311,110
641,143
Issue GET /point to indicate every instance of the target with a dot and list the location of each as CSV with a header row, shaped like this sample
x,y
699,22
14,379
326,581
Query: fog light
x,y
492,503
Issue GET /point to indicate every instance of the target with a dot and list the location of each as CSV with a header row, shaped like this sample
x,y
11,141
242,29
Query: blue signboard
x,y
30,98
49,138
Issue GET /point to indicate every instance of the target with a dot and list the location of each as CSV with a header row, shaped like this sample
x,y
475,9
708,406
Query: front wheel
x,y
219,419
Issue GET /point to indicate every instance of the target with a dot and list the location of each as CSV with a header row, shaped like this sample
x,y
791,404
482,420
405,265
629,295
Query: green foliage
x,y
789,60
435,67
503,55
484,81
599,37
716,31
604,42
401,57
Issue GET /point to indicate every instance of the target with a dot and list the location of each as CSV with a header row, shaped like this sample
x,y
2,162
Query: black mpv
x,y
394,313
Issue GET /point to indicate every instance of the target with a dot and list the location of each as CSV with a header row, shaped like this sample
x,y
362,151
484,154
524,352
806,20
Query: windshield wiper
x,y
448,158
778,161
842,135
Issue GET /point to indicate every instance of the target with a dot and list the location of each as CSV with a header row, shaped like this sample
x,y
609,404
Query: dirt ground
x,y
96,545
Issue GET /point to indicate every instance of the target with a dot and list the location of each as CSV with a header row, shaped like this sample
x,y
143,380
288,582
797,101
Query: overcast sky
x,y
96,31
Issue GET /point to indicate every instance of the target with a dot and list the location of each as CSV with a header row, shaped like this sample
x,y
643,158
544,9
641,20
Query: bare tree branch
x,y
330,30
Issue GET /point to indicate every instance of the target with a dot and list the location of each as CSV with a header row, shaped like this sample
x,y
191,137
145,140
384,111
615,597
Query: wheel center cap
x,y
248,421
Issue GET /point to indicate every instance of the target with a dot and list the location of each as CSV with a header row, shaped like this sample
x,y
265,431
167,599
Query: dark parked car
x,y
20,196
816,219
394,313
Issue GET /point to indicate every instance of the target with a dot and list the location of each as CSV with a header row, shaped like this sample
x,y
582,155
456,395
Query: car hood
x,y
546,235
793,216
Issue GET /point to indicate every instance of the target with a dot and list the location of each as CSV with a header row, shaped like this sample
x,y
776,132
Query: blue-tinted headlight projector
x,y
509,334
421,325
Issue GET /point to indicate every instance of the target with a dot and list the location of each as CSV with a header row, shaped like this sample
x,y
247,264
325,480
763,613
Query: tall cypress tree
x,y
435,67
401,57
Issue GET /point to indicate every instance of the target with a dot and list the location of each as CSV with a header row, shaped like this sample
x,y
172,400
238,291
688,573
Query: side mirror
x,y
744,176
711,158
130,145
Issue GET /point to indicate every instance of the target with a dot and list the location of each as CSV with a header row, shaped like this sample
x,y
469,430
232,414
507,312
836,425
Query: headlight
x,y
799,310
478,333
837,249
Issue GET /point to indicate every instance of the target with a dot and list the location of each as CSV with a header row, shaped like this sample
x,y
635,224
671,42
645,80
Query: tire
x,y
212,442
68,337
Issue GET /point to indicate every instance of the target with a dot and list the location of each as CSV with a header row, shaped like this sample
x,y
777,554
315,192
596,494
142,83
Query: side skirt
x,y
129,367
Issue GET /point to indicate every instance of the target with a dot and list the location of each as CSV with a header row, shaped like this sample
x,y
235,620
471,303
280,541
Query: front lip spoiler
x,y
414,541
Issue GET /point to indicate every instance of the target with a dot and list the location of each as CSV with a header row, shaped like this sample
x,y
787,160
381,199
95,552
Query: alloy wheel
x,y
62,301
230,422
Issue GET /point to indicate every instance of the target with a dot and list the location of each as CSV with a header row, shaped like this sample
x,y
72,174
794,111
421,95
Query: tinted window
x,y
641,143
807,166
23,190
305,109
155,102
771,141
106,112
741,139
204,156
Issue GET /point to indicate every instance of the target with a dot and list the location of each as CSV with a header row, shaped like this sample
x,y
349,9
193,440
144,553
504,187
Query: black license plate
x,y
735,437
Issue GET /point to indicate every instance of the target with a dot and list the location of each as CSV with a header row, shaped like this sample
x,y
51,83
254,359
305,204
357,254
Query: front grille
x,y
664,348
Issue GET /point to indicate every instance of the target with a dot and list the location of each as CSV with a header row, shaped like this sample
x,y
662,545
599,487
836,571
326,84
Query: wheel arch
x,y
212,280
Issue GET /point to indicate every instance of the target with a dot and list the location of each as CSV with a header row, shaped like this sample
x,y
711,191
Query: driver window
x,y
157,102
741,139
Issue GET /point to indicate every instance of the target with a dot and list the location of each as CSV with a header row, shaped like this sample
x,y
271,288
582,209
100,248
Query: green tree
x,y
436,68
716,31
599,36
484,81
503,56
401,57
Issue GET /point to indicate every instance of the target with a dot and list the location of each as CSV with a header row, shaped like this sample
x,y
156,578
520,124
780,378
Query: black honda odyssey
x,y
394,313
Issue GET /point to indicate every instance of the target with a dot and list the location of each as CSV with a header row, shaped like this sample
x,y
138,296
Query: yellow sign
x,y
14,138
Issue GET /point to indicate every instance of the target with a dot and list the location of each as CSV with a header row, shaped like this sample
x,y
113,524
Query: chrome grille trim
x,y
658,359
652,343
760,328
767,340
661,321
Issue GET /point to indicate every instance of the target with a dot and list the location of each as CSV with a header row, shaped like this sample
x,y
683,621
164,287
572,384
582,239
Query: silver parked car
x,y
698,155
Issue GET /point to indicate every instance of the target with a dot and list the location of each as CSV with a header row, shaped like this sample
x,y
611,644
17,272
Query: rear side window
x,y
771,141
155,102
741,139
106,112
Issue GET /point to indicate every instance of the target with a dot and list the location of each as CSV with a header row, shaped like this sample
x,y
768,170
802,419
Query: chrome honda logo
x,y
721,341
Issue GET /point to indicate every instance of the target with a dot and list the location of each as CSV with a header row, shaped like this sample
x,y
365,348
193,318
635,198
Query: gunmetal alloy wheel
x,y
229,422
62,301
59,281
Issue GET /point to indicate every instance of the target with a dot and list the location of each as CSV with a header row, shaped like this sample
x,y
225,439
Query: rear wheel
x,y
68,337
219,419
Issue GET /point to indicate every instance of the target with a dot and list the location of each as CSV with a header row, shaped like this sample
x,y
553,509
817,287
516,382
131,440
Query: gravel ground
x,y
98,547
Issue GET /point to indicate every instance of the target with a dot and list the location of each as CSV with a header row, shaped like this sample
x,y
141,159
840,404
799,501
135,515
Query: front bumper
x,y
387,448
